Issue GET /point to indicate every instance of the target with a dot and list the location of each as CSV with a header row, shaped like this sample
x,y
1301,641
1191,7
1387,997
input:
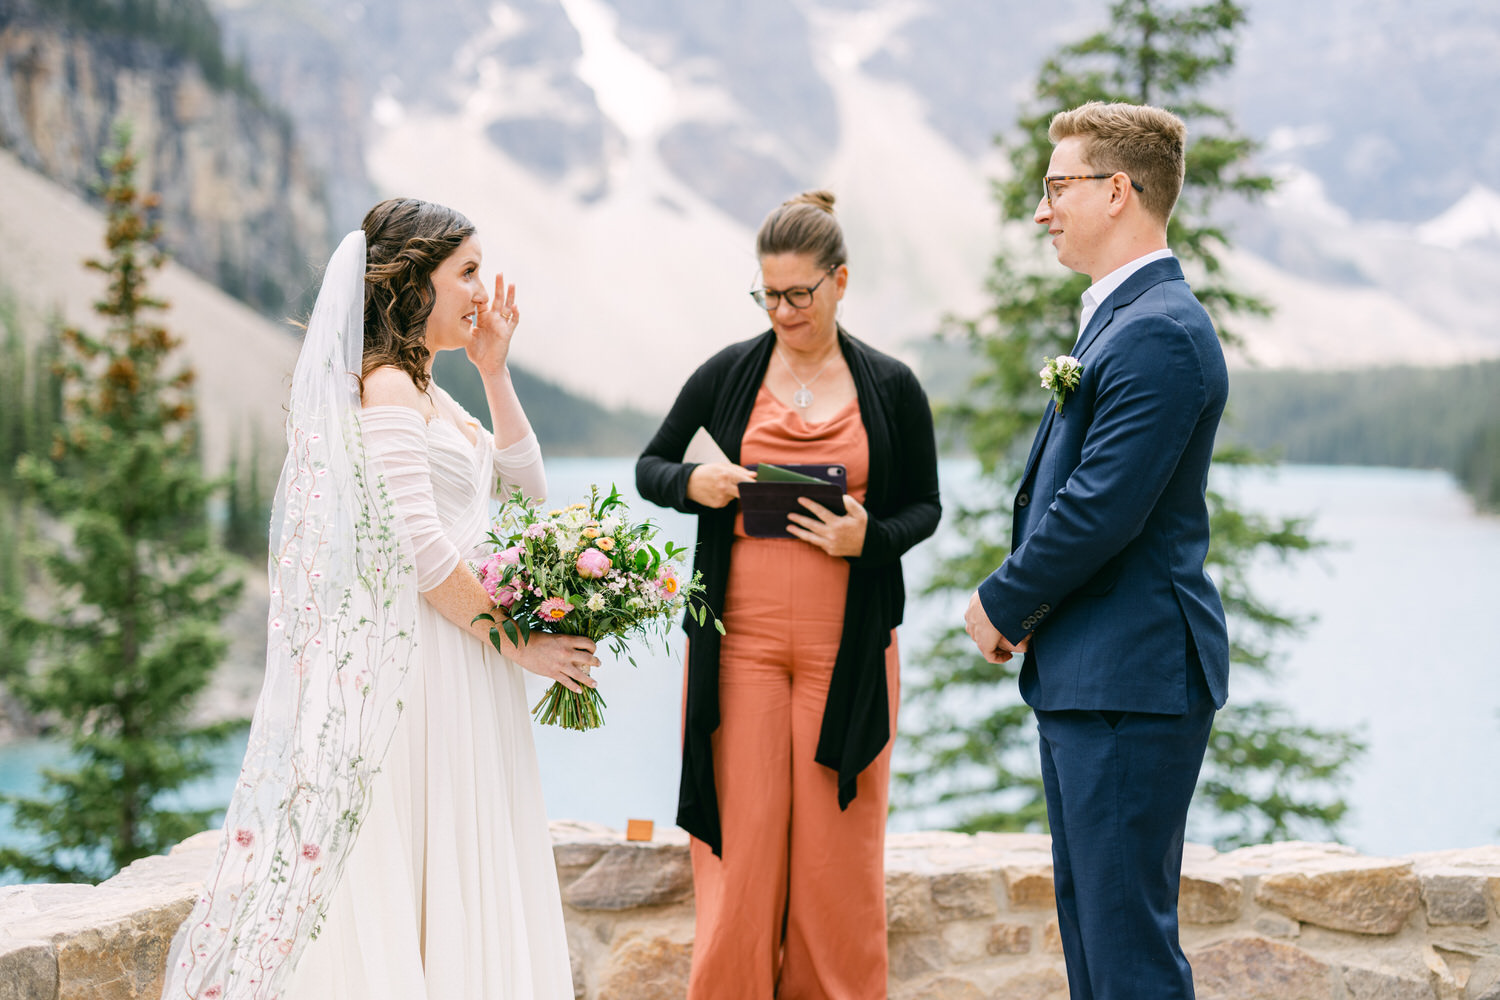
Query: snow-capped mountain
x,y
617,155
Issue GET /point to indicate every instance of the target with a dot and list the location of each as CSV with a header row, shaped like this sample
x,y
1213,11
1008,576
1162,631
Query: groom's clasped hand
x,y
992,645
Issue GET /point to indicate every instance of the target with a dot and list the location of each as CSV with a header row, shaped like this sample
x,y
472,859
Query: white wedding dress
x,y
450,890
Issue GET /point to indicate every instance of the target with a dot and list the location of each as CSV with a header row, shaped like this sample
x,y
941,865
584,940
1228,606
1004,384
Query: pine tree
x,y
1266,777
247,502
132,634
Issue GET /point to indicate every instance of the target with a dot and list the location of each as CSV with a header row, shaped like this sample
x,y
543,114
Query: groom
x,y
1127,657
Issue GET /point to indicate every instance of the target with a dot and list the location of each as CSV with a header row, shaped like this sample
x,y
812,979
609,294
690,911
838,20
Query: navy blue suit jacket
x,y
1110,523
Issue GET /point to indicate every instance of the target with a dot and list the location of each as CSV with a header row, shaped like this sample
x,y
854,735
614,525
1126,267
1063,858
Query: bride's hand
x,y
566,659
494,326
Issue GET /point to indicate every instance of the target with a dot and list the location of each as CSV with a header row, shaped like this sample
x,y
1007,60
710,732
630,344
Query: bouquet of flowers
x,y
583,570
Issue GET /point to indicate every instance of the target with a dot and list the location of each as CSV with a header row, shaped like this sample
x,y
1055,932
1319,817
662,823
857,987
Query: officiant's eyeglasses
x,y
1049,192
797,298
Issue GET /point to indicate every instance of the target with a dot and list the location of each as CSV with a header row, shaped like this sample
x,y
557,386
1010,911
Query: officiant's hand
x,y
495,324
837,534
567,659
714,484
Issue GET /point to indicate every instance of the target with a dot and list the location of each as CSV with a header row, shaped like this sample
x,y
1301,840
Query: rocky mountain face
x,y
617,155
240,203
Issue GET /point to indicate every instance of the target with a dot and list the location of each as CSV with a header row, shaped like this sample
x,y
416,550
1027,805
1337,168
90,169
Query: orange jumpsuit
x,y
795,909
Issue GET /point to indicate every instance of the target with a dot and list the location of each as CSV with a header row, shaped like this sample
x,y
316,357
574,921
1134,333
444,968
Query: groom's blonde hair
x,y
1144,142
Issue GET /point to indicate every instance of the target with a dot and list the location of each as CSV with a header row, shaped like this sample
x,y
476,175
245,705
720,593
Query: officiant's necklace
x,y
803,397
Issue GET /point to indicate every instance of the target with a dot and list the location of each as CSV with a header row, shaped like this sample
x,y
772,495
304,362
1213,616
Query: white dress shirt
x,y
1095,294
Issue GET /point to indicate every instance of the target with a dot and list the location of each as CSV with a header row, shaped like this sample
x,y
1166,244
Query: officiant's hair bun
x,y
804,225
405,241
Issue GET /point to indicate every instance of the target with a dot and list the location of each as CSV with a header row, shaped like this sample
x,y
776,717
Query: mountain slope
x,y
243,361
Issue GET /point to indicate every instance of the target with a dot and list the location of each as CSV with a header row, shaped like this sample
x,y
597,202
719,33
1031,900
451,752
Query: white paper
x,y
703,449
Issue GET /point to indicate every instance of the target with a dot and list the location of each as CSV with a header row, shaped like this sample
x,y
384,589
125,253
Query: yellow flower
x,y
578,506
590,532
555,512
605,544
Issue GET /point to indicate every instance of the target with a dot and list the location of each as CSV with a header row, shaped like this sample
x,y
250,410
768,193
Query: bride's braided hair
x,y
405,240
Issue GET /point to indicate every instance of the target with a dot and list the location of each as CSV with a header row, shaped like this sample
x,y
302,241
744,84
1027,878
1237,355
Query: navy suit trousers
x,y
1118,786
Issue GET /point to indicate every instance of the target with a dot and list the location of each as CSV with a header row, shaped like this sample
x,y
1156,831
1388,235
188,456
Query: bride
x,y
387,838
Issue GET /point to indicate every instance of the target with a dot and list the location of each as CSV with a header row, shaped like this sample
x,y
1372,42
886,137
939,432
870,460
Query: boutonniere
x,y
1060,376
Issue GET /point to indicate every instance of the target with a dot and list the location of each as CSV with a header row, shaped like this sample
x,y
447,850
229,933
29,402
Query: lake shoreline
x,y
1408,672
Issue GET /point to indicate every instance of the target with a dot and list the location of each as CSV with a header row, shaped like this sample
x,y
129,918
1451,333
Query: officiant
x,y
790,716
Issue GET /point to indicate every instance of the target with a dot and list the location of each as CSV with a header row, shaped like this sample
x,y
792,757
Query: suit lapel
x,y
1154,273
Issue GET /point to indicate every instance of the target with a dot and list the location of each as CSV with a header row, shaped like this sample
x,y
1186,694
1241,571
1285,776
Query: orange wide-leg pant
x,y
795,908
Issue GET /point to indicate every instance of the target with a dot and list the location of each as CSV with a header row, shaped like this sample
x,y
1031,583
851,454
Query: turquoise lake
x,y
1403,650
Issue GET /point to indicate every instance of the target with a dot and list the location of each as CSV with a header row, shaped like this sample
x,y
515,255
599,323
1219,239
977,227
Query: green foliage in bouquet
x,y
587,570
118,656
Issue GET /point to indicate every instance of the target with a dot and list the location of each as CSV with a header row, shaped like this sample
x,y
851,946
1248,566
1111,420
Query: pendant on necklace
x,y
803,397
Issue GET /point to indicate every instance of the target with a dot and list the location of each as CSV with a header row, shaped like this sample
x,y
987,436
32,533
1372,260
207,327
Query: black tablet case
x,y
766,505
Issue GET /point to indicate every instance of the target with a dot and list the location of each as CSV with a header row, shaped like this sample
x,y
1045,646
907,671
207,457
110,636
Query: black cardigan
x,y
902,500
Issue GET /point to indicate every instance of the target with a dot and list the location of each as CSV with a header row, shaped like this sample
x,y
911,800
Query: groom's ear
x,y
1119,195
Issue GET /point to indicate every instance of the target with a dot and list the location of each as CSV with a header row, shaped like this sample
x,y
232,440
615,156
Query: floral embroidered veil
x,y
341,636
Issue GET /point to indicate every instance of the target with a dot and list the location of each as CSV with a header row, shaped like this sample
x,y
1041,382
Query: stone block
x,y
124,959
965,941
1274,925
1451,968
1256,969
1052,938
914,955
964,896
577,949
1365,895
908,903
1029,887
1009,939
1375,984
647,967
575,856
950,988
1484,980
110,941
1210,898
1455,899
631,875
1035,984
28,970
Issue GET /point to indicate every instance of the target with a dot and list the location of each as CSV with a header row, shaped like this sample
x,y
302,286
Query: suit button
x,y
1045,608
1023,500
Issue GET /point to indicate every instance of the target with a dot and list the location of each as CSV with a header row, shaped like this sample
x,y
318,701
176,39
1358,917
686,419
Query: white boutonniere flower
x,y
1060,376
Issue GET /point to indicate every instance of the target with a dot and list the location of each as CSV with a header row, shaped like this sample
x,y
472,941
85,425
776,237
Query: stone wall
x,y
971,917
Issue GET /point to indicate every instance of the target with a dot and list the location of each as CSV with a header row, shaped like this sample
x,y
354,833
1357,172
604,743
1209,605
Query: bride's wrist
x,y
496,377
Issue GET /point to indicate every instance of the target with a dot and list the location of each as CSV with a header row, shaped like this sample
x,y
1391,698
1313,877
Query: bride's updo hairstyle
x,y
804,225
405,240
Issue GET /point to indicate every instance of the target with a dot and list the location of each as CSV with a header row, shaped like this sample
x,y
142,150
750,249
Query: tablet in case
x,y
768,500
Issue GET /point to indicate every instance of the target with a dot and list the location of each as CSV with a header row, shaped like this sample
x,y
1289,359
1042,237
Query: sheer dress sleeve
x,y
395,441
519,467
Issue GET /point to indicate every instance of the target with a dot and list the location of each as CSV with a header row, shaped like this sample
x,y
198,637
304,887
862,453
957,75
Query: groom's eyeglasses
x,y
797,298
1049,191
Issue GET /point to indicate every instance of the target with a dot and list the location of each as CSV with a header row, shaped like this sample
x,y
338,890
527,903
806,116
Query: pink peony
x,y
554,609
510,556
592,564
505,597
